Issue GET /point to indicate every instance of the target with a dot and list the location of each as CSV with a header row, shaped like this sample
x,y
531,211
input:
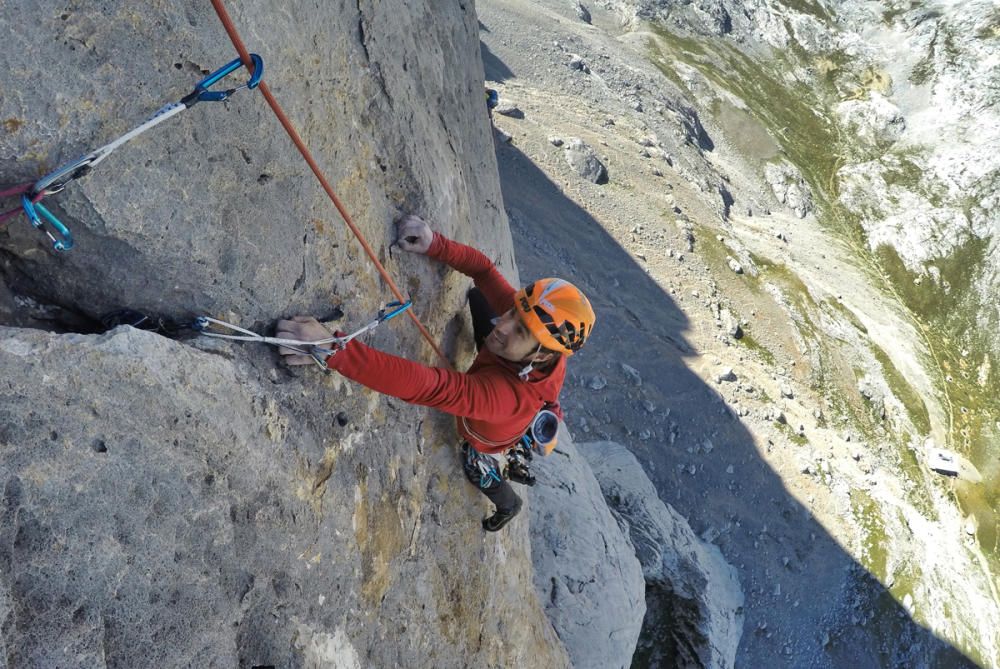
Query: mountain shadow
x,y
808,602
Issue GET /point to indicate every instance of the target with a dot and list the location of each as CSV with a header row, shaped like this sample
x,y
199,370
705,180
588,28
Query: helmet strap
x,y
527,369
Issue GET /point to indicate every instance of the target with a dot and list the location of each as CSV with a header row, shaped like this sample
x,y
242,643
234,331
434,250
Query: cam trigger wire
x,y
55,181
319,349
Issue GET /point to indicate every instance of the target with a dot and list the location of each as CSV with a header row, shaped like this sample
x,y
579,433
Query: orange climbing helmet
x,y
556,313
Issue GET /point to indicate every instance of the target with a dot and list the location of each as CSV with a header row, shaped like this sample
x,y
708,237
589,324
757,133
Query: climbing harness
x,y
319,350
55,181
482,465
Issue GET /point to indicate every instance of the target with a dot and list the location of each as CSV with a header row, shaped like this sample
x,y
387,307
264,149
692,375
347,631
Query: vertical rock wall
x,y
215,209
196,504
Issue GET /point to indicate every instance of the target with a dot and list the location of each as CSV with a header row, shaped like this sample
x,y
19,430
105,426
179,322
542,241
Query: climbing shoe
x,y
496,522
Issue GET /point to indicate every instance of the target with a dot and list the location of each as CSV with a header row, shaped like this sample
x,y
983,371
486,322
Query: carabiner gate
x,y
56,180
201,92
400,307
65,240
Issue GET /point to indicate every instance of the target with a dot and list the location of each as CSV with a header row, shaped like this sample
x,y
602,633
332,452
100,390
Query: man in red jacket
x,y
518,371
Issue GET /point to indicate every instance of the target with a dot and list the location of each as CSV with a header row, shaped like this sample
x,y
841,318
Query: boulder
x,y
509,109
578,63
789,187
585,162
586,572
694,603
873,121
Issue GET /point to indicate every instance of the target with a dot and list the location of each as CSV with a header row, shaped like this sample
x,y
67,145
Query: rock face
x,y
693,598
165,506
586,572
789,187
873,122
197,504
215,210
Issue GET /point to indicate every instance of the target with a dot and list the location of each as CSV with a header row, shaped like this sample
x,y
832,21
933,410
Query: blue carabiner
x,y
65,240
400,308
202,94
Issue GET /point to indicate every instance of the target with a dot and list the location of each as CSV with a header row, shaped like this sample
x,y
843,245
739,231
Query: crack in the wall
x,y
373,67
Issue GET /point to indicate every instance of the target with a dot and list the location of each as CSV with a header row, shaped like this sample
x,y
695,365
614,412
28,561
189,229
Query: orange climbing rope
x,y
241,49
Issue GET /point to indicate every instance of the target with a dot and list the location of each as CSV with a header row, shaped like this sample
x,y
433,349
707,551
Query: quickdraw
x,y
320,349
55,181
483,465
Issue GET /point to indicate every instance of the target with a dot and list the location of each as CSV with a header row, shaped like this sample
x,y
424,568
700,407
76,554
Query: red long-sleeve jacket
x,y
492,405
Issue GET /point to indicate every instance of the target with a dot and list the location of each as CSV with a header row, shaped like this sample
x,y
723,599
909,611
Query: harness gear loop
x,y
486,466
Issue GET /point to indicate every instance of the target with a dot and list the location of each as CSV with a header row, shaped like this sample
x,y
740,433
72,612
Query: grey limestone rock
x,y
159,503
578,63
726,374
632,373
586,572
789,187
693,597
510,109
192,504
585,162
730,323
874,121
214,209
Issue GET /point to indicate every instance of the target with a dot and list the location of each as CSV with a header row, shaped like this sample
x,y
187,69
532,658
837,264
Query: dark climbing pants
x,y
497,489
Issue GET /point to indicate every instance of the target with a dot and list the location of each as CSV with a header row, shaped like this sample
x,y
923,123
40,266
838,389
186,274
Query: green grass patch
x,y
837,308
759,261
791,434
811,8
991,28
922,71
793,288
905,174
749,342
928,300
875,543
809,138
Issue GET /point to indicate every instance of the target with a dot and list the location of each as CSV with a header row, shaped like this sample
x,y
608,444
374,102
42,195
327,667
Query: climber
x,y
518,371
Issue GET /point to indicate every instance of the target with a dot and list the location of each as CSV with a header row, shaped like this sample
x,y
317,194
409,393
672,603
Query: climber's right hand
x,y
300,328
413,234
